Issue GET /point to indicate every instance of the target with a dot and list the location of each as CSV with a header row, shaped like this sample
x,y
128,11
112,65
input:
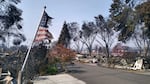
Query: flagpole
x,y
30,47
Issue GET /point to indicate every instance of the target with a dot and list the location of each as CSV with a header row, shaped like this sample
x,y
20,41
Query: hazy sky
x,y
60,10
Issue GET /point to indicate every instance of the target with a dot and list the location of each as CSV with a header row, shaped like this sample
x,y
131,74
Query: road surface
x,y
98,75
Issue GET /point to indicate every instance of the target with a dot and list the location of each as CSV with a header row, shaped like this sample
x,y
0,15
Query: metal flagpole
x,y
27,55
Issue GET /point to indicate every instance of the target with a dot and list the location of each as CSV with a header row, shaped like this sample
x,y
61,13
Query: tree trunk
x,y
90,50
107,51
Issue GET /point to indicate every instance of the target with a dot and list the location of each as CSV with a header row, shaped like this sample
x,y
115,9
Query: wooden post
x,y
19,77
0,71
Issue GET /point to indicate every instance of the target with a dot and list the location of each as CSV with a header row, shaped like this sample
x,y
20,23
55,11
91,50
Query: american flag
x,y
43,32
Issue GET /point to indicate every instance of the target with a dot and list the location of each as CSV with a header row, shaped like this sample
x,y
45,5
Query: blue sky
x,y
60,10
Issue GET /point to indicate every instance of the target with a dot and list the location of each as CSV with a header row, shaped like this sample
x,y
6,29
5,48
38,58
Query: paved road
x,y
99,75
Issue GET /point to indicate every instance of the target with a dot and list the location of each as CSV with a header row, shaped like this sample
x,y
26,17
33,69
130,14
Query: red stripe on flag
x,y
42,34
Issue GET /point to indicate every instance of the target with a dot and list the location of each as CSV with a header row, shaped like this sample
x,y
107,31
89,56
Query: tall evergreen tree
x,y
142,32
10,20
64,38
122,16
143,15
132,20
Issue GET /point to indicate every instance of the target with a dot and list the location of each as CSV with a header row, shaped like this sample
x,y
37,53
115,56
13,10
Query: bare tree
x,y
104,34
141,40
88,35
75,36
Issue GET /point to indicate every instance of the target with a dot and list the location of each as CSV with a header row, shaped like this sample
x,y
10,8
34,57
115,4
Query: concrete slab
x,y
58,79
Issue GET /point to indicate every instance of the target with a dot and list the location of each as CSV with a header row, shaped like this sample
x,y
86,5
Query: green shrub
x,y
52,69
